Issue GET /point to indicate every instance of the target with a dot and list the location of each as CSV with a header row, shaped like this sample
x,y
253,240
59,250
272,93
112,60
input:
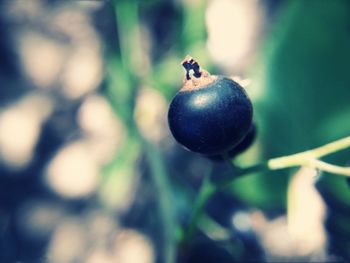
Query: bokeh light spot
x,y
73,172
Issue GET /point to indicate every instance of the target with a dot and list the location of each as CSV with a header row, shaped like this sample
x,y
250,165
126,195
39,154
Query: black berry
x,y
210,114
239,148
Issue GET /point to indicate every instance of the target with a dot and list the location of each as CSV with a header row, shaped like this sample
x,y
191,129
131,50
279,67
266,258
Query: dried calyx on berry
x,y
210,114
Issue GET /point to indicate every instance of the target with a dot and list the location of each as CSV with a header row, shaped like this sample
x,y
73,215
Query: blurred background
x,y
88,169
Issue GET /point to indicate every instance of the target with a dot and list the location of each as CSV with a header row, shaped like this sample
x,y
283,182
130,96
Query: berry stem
x,y
309,158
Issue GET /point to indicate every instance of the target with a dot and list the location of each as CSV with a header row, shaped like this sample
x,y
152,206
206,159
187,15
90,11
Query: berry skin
x,y
239,148
210,114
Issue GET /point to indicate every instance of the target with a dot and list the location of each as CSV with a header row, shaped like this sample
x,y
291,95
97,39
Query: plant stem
x,y
306,158
262,167
310,158
206,190
166,213
331,168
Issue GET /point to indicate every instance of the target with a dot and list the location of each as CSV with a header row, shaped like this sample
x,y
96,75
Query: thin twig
x,y
304,158
331,168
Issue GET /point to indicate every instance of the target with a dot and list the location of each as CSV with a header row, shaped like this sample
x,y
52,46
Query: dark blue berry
x,y
239,148
210,114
